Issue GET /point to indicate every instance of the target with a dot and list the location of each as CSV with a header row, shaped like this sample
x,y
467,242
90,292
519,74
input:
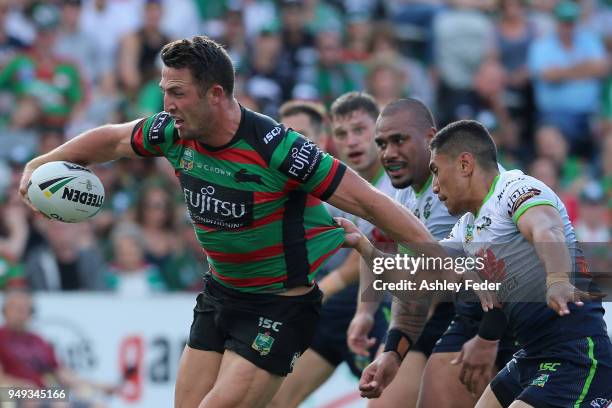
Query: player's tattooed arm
x,y
409,316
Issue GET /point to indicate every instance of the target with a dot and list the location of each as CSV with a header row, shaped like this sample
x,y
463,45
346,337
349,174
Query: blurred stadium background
x,y
113,295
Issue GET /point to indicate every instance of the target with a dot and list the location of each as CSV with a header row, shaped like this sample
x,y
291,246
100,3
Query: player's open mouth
x,y
395,169
355,156
178,123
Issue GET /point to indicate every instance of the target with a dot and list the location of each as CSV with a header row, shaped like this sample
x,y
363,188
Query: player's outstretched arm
x,y
358,197
542,226
97,145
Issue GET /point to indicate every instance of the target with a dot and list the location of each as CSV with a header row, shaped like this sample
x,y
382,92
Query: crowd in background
x,y
537,73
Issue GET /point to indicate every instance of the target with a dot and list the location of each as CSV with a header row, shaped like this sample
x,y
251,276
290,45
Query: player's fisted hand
x,y
379,374
560,293
357,334
477,360
352,235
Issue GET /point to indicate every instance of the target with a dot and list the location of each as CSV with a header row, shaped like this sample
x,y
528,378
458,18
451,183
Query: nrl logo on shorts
x,y
263,343
187,160
540,380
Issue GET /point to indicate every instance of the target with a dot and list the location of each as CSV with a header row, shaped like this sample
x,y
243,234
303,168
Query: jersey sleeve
x,y
453,243
526,193
153,136
301,160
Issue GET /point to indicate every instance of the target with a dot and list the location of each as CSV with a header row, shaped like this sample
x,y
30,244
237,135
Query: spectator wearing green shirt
x,y
47,89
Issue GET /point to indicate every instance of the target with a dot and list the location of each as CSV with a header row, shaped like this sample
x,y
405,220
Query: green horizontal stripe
x,y
517,215
268,268
241,241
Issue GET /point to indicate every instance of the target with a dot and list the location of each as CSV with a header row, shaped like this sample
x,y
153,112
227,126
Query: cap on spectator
x,y
592,193
567,10
46,17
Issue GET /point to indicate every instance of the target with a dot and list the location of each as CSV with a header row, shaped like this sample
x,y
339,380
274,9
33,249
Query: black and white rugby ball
x,y
66,191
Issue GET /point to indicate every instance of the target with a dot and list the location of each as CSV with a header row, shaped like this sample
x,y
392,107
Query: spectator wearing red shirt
x,y
26,359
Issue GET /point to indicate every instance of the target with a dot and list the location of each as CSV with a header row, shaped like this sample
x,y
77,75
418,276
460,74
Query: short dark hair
x,y
207,60
354,101
314,110
466,136
420,111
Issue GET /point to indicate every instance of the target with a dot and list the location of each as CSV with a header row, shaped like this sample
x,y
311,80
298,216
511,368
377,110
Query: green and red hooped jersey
x,y
256,202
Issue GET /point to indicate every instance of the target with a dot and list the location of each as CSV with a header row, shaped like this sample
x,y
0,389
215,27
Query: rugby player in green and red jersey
x,y
253,190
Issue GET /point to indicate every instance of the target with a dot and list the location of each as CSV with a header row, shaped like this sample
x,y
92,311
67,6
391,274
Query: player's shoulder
x,y
261,132
515,189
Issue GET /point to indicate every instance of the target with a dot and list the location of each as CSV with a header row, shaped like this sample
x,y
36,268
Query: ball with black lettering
x,y
66,191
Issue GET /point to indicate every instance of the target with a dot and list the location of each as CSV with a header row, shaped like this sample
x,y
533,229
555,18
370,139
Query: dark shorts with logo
x,y
462,329
330,338
576,373
271,331
434,328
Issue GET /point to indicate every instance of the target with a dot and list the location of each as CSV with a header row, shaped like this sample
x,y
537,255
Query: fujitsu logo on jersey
x,y
302,160
215,205
205,201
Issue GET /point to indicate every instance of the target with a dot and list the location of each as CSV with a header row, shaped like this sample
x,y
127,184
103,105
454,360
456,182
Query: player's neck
x,y
372,173
420,179
225,125
482,188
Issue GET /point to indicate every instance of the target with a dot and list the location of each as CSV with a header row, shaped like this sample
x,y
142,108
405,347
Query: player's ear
x,y
466,163
215,94
430,134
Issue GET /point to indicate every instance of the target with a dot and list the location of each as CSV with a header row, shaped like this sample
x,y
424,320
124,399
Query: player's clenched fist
x,y
379,374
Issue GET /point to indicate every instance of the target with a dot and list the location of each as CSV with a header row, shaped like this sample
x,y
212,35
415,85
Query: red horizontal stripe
x,y
321,259
248,282
261,197
253,256
275,216
205,227
312,232
230,154
290,185
312,201
322,187
139,143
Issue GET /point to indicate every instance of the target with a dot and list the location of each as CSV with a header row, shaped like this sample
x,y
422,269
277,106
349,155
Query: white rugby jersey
x,y
426,206
511,260
382,182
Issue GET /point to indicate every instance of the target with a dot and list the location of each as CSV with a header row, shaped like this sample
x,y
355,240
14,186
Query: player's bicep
x,y
354,195
537,219
123,136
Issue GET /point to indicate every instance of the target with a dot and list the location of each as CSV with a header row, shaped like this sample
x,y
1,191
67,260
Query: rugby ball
x,y
66,191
